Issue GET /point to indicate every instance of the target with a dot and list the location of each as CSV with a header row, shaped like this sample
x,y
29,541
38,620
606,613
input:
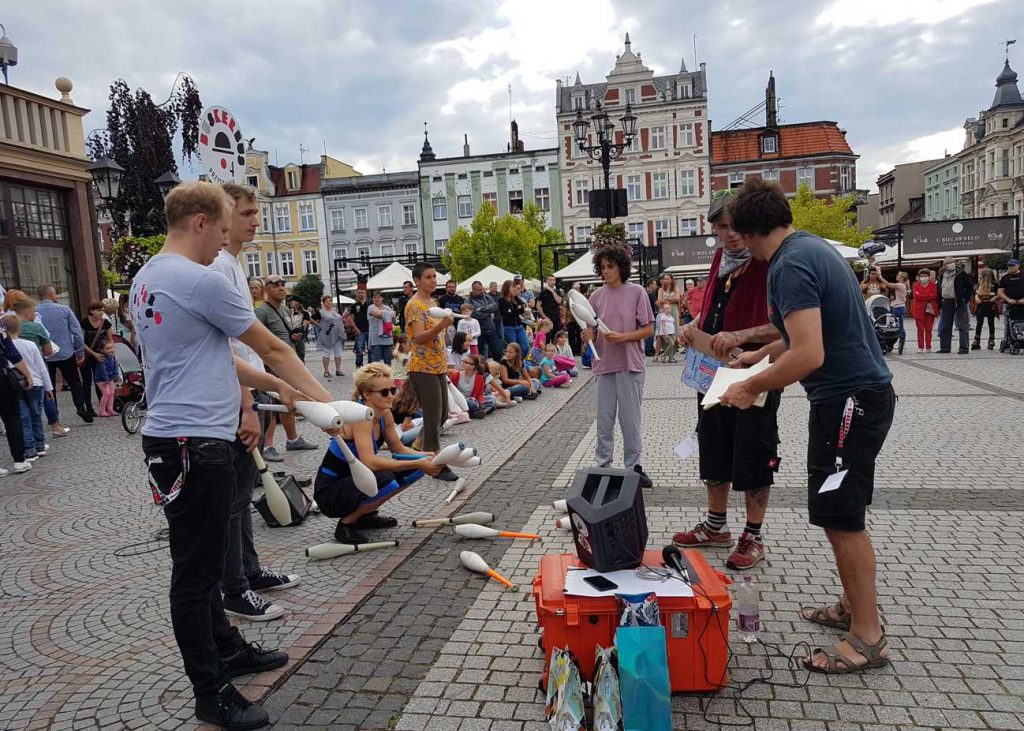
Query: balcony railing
x,y
34,122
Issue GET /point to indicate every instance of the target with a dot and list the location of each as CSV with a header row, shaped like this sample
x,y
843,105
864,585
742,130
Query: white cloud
x,y
875,161
859,13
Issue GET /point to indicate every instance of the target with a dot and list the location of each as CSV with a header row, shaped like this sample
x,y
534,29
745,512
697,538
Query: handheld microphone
x,y
673,558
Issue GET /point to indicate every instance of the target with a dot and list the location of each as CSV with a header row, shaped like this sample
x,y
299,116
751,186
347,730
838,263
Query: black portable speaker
x,y
609,525
297,500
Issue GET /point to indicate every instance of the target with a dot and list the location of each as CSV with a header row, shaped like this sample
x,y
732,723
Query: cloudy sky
x,y
362,77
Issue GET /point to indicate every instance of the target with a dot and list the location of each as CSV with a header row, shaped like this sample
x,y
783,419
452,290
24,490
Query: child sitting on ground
x,y
471,327
665,328
564,358
550,376
106,374
400,358
471,381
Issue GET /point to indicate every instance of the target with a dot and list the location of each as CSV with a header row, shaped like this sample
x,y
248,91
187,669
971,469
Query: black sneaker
x,y
645,481
963,351
231,710
252,658
477,414
270,580
84,416
250,605
447,475
345,533
376,520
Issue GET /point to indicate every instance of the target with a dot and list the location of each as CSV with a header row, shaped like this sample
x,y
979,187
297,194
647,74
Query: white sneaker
x,y
3,472
22,467
32,459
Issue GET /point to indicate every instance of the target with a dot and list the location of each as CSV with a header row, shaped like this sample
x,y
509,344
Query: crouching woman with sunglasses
x,y
335,490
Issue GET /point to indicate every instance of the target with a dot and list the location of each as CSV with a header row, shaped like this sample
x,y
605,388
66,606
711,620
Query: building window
x,y
769,144
362,252
265,217
252,181
630,95
634,144
440,246
515,201
577,102
465,206
488,174
337,219
687,226
440,209
310,262
492,199
437,179
577,152
408,214
293,180
583,233
384,216
252,265
659,186
582,188
539,169
684,90
687,182
633,192
271,269
657,138
543,198
387,249
287,264
362,220
770,174
284,221
844,178
462,176
736,180
635,231
411,247
686,136
805,175
341,252
306,222
660,228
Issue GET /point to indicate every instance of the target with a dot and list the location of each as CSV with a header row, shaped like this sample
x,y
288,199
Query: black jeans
x,y
198,524
85,371
985,310
953,314
10,412
491,345
69,370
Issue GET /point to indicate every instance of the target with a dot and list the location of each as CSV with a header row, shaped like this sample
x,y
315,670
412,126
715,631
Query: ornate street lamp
x,y
606,148
166,183
106,176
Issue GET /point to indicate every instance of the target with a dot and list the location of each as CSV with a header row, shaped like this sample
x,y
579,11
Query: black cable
x,y
161,536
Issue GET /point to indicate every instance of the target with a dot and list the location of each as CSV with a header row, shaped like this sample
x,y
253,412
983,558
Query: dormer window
x,y
769,144
684,90
630,95
578,102
293,180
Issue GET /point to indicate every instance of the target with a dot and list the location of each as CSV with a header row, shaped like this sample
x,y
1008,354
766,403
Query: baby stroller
x,y
1014,330
887,327
130,396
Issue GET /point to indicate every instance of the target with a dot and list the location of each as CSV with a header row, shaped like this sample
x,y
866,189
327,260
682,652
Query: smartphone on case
x,y
601,583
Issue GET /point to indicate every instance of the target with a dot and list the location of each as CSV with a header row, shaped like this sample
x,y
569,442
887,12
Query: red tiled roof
x,y
795,140
310,182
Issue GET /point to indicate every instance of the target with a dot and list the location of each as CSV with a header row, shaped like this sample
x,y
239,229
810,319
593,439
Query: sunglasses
x,y
385,392
275,282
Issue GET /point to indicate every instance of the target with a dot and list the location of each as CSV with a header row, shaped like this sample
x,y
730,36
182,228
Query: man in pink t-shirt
x,y
626,309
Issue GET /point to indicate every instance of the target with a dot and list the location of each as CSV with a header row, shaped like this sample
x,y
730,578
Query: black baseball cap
x,y
719,200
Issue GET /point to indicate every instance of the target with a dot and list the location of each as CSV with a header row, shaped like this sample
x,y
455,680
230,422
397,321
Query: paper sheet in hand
x,y
699,370
628,581
725,377
702,342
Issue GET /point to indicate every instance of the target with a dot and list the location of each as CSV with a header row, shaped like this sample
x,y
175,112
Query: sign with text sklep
x,y
687,250
941,237
221,146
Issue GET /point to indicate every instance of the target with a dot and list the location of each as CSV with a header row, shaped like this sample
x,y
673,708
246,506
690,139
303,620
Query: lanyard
x,y
161,498
844,430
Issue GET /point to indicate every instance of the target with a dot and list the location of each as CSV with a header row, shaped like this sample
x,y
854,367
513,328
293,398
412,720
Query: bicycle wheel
x,y
131,417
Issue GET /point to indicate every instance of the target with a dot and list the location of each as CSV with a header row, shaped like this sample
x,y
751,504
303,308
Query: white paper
x,y
725,377
833,482
628,581
686,448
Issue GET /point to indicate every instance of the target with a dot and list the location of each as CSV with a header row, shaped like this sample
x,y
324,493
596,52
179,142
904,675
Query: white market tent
x,y
390,279
493,273
582,268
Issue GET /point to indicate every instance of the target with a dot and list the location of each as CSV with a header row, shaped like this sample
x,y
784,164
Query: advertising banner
x,y
942,237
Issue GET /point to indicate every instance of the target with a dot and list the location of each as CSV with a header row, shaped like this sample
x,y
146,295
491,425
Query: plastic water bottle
x,y
748,613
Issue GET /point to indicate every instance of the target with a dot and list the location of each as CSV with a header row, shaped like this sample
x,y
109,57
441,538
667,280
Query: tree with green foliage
x,y
511,242
833,219
309,290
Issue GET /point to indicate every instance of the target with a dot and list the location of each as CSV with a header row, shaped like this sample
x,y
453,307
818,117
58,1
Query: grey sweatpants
x,y
620,393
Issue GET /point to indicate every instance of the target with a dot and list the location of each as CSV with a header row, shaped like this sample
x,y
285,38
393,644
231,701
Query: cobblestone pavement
x,y
408,640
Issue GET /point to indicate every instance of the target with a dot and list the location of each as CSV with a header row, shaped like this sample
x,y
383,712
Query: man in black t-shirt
x,y
551,306
450,300
1011,291
362,325
408,290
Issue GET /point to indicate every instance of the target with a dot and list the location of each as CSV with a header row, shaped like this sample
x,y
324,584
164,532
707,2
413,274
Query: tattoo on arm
x,y
761,334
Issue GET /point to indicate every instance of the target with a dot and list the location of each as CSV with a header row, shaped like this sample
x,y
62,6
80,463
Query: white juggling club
x,y
465,454
449,454
471,462
561,506
351,412
276,500
439,313
581,308
583,325
333,550
459,484
363,477
456,399
472,530
474,562
480,518
319,415
565,523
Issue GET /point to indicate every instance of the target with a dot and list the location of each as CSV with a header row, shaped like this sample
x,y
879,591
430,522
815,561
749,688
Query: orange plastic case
x,y
696,628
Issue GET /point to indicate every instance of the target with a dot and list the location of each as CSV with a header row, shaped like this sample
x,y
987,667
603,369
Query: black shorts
x,y
740,446
338,496
844,508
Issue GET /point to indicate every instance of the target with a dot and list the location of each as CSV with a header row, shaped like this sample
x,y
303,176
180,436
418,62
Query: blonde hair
x,y
195,198
23,305
366,375
239,192
12,324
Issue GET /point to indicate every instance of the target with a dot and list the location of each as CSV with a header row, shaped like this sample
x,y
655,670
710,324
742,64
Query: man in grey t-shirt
x,y
274,314
185,314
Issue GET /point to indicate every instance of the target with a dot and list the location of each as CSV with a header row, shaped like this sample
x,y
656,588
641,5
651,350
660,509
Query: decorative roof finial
x,y
427,153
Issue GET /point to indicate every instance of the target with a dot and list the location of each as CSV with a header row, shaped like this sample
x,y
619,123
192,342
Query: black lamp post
x,y
606,148
106,176
166,183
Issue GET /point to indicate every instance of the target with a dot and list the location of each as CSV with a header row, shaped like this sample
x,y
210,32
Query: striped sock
x,y
715,521
753,529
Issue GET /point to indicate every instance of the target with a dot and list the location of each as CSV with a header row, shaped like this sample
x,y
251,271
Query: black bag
x,y
298,501
17,382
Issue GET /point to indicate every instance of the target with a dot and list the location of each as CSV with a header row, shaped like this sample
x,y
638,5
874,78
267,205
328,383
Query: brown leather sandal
x,y
839,664
821,615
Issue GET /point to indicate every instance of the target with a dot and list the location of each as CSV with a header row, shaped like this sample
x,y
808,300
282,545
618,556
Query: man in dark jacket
x,y
955,292
484,306
450,300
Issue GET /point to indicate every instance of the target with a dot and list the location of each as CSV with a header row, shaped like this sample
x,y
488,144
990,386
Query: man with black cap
x,y
737,448
1011,291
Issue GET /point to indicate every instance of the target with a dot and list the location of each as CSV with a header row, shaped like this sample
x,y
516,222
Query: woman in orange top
x,y
926,307
694,299
428,362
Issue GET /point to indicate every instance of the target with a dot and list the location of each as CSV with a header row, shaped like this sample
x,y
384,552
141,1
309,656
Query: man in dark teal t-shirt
x,y
829,346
